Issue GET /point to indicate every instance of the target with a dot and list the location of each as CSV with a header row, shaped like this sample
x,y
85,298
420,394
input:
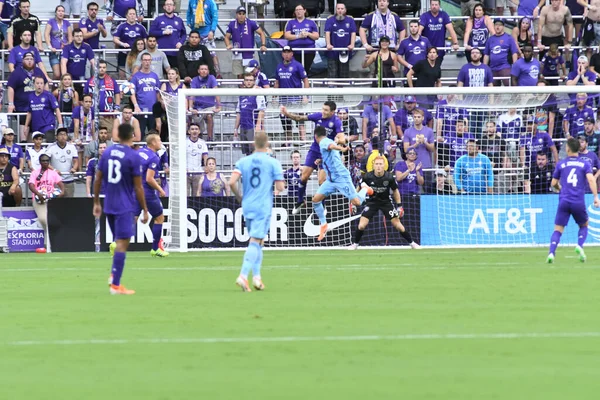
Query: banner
x,y
217,222
498,219
25,233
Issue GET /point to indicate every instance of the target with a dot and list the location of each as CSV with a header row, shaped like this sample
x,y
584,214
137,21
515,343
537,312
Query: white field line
x,y
292,339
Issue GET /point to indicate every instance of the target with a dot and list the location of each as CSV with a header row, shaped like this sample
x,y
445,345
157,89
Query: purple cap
x,y
410,99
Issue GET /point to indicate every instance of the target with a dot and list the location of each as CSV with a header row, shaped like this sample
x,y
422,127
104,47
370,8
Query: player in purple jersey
x,y
150,167
569,177
334,131
120,172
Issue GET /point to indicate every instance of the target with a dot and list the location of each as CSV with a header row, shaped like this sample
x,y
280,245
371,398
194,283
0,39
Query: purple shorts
x,y
121,225
565,210
154,205
310,159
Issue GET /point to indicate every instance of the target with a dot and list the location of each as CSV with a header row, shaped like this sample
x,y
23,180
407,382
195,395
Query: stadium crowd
x,y
427,141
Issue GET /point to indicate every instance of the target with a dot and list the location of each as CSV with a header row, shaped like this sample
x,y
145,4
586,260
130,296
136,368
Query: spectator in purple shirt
x,y
211,104
74,58
526,71
92,27
302,33
409,173
58,34
240,35
146,85
434,24
575,116
499,48
414,48
169,30
553,63
340,32
420,138
125,36
15,57
475,74
43,112
260,79
581,76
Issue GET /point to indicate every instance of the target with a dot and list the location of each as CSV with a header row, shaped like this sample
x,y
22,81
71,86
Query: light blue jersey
x,y
332,162
259,171
473,174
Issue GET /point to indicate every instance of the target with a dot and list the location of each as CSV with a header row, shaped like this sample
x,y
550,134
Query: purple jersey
x,y
499,49
21,81
448,115
434,28
42,108
510,125
551,65
571,173
457,145
404,118
242,36
413,50
148,160
146,87
292,179
575,117
164,24
214,187
129,33
92,168
77,57
248,107
91,26
10,8
120,165
594,161
591,77
262,80
527,73
408,185
120,7
332,126
16,55
16,153
372,117
86,120
410,137
540,142
59,34
108,90
340,32
296,28
475,75
204,83
174,91
479,34
376,30
290,76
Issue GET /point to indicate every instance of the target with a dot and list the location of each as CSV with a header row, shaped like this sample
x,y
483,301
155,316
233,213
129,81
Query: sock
x,y
117,267
406,236
554,240
257,264
362,194
320,211
156,234
358,235
324,204
582,236
301,192
250,258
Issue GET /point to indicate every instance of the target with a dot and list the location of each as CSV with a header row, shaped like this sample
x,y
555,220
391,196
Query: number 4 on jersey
x,y
572,178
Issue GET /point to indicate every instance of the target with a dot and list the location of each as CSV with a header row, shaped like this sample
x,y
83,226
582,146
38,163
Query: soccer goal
x,y
504,122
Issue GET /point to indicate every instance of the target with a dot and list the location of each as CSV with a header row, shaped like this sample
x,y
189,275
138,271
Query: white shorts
x,y
505,3
210,44
72,7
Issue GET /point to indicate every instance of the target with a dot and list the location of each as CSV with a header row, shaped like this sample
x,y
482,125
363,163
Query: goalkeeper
x,y
473,172
382,182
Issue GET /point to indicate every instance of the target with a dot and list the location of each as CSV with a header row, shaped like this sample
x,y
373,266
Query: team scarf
x,y
199,20
379,29
85,124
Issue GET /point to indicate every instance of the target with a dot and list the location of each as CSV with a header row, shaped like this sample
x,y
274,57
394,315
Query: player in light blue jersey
x,y
473,172
258,172
569,178
338,178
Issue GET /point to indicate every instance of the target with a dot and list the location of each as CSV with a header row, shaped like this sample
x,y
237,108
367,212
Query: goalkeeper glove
x,y
400,209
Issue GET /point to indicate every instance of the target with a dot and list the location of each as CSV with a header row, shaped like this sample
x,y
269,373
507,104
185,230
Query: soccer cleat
x,y
581,253
353,246
323,232
112,247
550,259
415,246
369,189
243,283
258,284
297,207
159,253
114,289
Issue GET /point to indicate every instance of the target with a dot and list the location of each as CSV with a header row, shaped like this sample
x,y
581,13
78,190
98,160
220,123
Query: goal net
x,y
517,129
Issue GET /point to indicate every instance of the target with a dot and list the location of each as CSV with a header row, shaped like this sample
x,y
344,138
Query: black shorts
x,y
8,200
373,207
286,123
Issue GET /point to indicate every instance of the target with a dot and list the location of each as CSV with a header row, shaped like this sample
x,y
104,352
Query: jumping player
x,y
569,178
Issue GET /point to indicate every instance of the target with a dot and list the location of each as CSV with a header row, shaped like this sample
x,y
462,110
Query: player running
x,y
569,178
381,181
338,178
119,173
333,127
258,172
150,167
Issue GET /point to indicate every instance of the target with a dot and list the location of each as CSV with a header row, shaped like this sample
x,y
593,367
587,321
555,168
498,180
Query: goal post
x,y
510,215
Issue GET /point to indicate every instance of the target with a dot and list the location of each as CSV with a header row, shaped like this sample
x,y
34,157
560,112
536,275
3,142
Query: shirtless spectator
x,y
551,24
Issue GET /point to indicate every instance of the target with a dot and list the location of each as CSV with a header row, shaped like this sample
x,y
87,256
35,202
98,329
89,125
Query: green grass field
x,y
369,324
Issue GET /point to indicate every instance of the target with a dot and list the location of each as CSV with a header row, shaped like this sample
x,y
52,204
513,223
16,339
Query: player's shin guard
x,y
257,264
358,235
250,258
554,241
362,195
582,236
117,267
320,211
156,234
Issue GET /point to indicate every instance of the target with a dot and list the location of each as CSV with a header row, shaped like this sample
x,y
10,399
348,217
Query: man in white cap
x,y
240,35
581,76
261,79
340,31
